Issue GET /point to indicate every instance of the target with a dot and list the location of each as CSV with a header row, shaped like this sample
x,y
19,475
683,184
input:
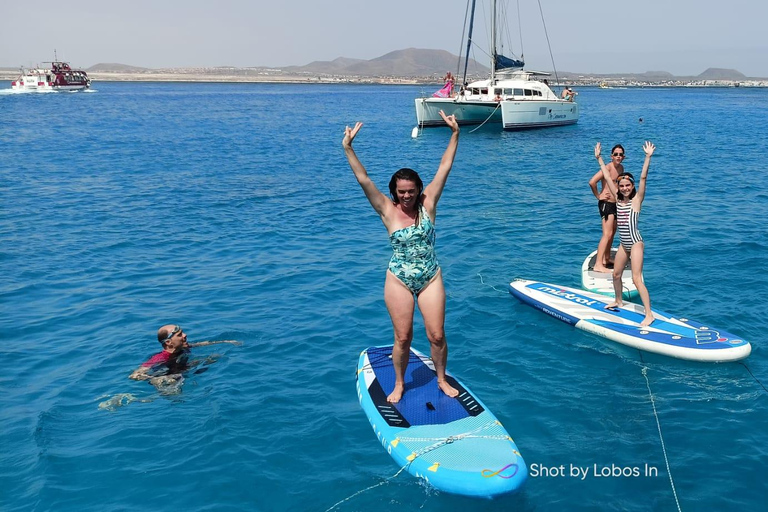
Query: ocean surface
x,y
229,209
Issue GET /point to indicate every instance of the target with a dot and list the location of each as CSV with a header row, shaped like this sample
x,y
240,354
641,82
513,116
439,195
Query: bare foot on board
x,y
447,388
396,394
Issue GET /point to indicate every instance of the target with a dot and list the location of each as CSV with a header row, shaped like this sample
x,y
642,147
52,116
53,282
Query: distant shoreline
x,y
276,78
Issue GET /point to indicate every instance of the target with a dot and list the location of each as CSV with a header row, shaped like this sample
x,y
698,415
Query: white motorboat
x,y
57,76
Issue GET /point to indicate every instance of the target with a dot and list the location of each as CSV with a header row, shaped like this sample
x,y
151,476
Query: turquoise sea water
x,y
230,210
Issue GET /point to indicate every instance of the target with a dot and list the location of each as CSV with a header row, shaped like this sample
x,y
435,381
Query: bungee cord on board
x,y
439,442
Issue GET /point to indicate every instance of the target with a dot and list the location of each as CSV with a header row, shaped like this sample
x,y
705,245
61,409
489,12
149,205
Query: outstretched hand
x,y
649,148
349,135
450,121
597,150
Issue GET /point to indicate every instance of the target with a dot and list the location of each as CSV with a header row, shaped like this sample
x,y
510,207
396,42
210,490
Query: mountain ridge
x,y
410,63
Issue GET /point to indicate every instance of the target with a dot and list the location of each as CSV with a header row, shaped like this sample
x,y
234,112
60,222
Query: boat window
x,y
528,92
484,90
497,91
475,90
518,92
508,91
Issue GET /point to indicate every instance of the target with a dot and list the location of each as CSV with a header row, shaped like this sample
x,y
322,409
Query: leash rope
x,y
490,116
483,282
663,447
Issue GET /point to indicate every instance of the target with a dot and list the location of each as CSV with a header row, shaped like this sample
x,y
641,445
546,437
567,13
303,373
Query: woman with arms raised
x,y
414,274
629,200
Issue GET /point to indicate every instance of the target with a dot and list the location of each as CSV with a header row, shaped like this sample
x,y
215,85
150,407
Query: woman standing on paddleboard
x,y
409,217
629,200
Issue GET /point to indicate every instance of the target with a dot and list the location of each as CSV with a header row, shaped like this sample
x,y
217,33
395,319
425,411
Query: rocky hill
x,y
115,68
411,62
721,74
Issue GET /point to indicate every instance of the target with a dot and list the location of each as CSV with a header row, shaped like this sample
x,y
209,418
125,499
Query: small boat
x,y
515,97
604,85
59,76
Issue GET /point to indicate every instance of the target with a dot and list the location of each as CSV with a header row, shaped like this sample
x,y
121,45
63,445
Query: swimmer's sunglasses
x,y
176,329
618,154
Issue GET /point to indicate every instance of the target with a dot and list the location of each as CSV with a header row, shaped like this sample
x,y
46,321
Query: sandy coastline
x,y
273,76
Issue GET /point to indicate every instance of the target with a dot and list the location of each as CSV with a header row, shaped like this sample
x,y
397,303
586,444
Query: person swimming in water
x,y
413,271
166,366
629,200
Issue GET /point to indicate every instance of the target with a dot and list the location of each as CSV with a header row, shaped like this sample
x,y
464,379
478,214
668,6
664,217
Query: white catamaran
x,y
515,97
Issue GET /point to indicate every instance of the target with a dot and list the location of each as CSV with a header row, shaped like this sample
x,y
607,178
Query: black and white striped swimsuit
x,y
626,221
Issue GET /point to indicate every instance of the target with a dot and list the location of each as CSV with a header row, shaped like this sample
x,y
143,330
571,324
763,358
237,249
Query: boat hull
x,y
519,115
466,112
46,87
513,115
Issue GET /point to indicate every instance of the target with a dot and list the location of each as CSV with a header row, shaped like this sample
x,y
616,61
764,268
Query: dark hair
x,y
408,175
618,146
631,178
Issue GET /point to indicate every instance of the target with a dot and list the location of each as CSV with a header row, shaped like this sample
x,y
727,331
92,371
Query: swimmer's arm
x,y
140,373
378,200
205,343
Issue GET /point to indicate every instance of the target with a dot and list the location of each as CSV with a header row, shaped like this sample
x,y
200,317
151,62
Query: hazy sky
x,y
684,37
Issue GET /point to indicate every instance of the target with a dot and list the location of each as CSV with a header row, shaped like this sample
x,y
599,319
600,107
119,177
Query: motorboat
x,y
51,76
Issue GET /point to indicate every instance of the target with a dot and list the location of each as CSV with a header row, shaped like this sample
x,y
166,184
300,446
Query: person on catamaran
x,y
414,274
606,205
629,200
447,90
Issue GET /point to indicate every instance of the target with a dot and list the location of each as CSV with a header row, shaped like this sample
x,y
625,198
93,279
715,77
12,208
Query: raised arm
x,y
378,200
606,175
434,190
205,343
648,149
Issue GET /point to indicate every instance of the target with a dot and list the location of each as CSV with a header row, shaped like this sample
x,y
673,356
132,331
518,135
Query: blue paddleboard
x,y
455,444
676,337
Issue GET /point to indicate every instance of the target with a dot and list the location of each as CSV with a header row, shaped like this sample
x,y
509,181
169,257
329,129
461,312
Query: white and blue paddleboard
x,y
602,282
455,444
676,337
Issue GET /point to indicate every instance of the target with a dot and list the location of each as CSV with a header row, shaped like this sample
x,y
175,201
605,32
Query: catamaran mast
x,y
493,41
469,41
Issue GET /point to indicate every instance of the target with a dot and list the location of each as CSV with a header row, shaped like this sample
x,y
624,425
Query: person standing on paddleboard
x,y
629,200
414,273
606,204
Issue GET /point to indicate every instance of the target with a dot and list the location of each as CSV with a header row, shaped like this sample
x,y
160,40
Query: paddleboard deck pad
x,y
455,444
602,282
667,335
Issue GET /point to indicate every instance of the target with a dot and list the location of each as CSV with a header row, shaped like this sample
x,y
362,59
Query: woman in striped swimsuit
x,y
629,200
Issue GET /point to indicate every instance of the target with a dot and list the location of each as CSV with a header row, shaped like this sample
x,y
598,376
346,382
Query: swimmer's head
x,y
620,153
171,336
